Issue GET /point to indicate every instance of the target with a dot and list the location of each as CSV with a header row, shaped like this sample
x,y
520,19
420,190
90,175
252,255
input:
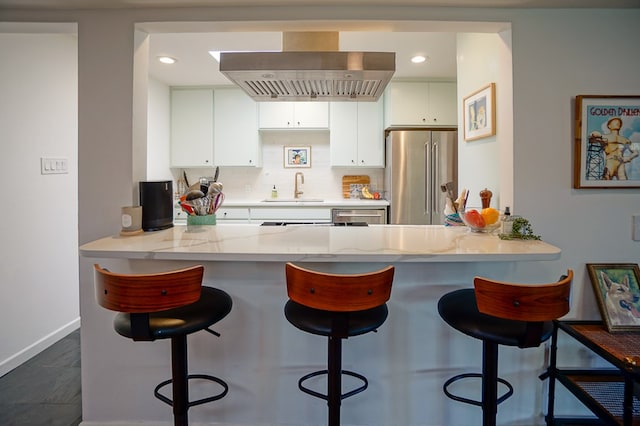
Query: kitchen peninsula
x,y
262,356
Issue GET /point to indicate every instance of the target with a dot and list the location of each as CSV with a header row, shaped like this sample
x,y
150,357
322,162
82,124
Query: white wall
x,y
39,262
487,162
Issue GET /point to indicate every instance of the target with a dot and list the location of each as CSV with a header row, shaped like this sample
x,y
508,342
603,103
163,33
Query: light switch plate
x,y
49,166
636,227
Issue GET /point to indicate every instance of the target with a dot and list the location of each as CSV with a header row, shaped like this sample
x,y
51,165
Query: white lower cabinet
x,y
191,128
356,134
232,215
290,214
236,137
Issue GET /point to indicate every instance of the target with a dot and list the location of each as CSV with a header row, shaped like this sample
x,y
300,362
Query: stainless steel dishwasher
x,y
368,216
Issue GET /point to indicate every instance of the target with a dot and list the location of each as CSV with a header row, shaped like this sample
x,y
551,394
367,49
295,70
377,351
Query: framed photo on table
x,y
607,142
297,156
617,289
480,113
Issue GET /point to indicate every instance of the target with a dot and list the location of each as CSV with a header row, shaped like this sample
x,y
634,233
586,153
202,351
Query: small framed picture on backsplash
x,y
297,156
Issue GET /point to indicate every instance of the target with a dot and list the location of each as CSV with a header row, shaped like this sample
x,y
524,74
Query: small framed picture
x,y
480,113
297,156
617,291
607,142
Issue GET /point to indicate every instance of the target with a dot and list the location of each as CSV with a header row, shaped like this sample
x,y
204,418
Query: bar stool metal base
x,y
500,399
326,397
168,401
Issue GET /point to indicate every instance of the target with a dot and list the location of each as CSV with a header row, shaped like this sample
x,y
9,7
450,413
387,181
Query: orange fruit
x,y
490,215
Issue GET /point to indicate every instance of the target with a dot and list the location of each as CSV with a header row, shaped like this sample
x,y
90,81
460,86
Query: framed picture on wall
x,y
297,156
617,288
480,113
607,142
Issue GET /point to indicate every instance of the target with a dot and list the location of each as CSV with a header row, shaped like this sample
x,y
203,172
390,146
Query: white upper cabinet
x,y
294,115
421,104
191,128
236,139
357,134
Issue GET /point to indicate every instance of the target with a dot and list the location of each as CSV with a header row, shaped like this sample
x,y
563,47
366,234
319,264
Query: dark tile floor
x,y
46,389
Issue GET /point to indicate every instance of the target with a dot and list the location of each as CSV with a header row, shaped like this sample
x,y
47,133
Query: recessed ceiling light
x,y
418,59
167,59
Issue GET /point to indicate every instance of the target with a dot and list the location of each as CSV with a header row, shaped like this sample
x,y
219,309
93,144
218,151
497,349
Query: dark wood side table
x,y
607,392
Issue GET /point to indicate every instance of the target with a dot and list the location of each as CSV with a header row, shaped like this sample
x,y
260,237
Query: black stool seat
x,y
460,310
323,323
337,306
213,305
166,305
501,313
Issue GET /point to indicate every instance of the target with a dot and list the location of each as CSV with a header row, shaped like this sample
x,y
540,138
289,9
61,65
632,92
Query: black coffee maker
x,y
156,199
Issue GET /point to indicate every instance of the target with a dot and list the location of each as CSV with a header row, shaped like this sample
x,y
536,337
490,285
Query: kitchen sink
x,y
293,200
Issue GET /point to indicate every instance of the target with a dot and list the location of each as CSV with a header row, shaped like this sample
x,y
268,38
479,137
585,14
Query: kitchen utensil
x,y
204,185
194,194
214,188
216,174
448,189
186,181
217,202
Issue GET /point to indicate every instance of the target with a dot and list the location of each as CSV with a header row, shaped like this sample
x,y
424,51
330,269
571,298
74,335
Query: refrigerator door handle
x,y
435,161
428,184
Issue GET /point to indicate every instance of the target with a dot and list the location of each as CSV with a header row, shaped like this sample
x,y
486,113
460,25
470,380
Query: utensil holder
x,y
209,219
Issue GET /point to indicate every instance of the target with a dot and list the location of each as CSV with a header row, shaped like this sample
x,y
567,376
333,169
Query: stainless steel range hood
x,y
306,71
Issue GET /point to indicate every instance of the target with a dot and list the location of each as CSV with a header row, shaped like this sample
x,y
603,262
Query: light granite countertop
x,y
319,243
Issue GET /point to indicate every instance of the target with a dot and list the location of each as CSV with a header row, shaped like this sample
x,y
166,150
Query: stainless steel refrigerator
x,y
419,161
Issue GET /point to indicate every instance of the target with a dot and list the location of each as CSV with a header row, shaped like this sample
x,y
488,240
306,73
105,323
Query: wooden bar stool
x,y
337,306
500,313
167,305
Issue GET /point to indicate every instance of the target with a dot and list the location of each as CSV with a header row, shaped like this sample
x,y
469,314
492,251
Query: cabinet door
x,y
294,115
311,115
356,134
343,133
236,141
370,134
276,115
191,127
233,214
443,103
406,104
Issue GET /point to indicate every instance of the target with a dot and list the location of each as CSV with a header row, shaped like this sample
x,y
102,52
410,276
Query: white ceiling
x,y
196,67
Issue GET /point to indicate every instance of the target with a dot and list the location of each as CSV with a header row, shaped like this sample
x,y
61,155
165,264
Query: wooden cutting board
x,y
347,180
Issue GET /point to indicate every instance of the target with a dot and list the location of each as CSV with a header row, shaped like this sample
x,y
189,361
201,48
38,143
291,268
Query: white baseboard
x,y
34,349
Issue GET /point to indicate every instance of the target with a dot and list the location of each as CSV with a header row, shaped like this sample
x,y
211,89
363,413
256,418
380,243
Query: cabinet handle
x,y
424,120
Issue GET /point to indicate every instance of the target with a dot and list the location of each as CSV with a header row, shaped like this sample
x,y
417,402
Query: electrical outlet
x,y
636,227
49,166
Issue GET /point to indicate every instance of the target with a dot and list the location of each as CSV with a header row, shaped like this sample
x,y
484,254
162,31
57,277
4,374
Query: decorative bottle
x,y
507,222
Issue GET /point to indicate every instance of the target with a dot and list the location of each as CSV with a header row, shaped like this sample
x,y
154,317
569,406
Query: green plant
x,y
522,230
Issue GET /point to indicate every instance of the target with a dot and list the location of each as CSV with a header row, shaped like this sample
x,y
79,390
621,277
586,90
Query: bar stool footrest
x,y
324,372
190,404
502,398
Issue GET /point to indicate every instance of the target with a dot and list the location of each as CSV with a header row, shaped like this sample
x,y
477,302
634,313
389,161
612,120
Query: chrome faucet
x,y
296,191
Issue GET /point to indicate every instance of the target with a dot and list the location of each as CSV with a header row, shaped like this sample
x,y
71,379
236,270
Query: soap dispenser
x,y
274,192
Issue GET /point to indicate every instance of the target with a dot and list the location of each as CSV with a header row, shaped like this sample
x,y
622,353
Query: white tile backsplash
x,y
256,183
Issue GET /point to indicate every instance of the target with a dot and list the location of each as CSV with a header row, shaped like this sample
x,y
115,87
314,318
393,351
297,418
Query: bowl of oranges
x,y
480,219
